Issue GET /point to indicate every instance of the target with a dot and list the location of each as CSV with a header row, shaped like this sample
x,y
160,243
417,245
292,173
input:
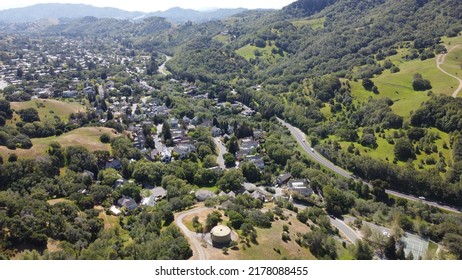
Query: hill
x,y
57,11
39,11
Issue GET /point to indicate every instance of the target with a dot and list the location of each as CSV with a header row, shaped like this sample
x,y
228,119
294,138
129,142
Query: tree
x,y
212,220
368,84
337,201
420,84
403,150
105,138
235,219
166,134
29,115
108,176
233,145
362,251
230,159
390,249
232,180
250,172
5,109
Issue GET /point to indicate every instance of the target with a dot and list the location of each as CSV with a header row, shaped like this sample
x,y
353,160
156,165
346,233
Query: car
x,y
312,150
421,197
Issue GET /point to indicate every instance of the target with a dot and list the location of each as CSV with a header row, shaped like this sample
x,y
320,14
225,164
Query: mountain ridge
x,y
56,11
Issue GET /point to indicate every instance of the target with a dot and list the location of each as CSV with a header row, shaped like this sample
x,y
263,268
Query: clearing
x,y
87,137
47,109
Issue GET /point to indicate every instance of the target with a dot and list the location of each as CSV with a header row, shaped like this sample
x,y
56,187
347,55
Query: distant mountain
x,y
39,11
55,11
180,15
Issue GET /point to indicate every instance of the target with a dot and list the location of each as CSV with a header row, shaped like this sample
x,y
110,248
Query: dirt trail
x,y
440,60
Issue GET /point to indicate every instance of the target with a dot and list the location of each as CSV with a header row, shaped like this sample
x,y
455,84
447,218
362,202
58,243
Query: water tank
x,y
221,235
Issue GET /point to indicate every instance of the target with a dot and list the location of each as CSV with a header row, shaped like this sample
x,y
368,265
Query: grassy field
x,y
398,86
58,200
87,137
453,62
269,240
384,150
248,52
221,38
47,109
313,23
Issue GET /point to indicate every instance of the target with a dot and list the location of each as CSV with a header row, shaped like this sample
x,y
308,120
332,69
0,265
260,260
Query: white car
x,y
312,150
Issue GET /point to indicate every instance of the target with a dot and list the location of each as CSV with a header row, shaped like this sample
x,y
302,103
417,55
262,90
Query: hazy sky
x,y
157,5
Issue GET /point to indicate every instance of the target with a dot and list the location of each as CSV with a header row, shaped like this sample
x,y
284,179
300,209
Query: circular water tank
x,y
221,234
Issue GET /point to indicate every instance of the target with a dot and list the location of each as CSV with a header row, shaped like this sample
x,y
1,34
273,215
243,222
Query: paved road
x,y
347,231
300,137
199,253
440,60
162,67
221,152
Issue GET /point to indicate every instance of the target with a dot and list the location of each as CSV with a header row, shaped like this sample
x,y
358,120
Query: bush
x,y
105,138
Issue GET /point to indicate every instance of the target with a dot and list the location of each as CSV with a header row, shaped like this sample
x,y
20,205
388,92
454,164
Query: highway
x,y
301,139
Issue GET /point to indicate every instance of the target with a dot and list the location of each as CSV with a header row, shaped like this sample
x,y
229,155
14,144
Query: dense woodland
x,y
293,71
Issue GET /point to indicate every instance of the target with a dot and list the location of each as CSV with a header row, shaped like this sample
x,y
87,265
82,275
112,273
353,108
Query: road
x,y
347,231
221,152
199,253
300,137
440,60
162,67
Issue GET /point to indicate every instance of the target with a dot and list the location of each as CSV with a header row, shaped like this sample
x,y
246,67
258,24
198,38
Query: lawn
x,y
87,137
48,108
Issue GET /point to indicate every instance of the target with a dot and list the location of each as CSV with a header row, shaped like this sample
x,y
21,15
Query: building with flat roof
x,y
301,186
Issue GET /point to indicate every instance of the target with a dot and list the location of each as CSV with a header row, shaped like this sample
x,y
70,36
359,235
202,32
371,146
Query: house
x,y
183,151
174,122
89,174
119,182
202,195
116,211
257,160
159,193
113,163
301,186
283,178
127,202
148,201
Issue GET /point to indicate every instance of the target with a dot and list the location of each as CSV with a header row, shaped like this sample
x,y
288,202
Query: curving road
x,y
199,253
300,137
162,67
440,60
347,231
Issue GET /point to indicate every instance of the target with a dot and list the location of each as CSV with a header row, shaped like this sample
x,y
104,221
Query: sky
x,y
157,5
